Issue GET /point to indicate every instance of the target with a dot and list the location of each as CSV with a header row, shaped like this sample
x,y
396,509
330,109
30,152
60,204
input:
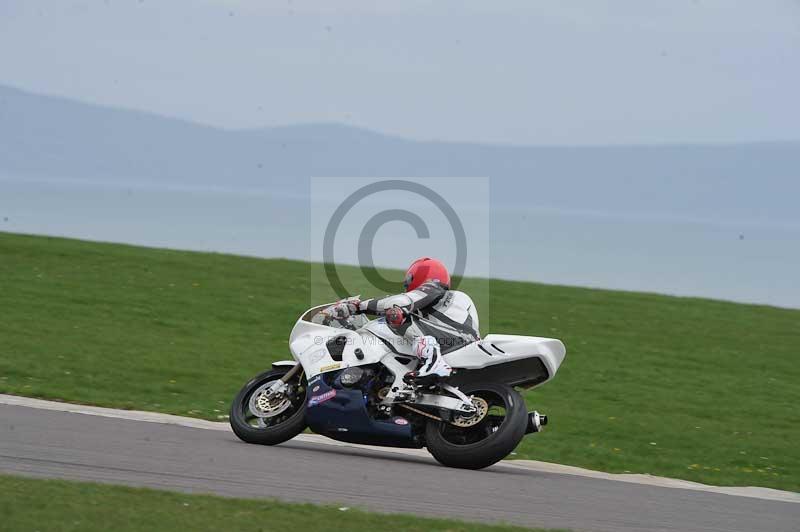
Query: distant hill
x,y
44,136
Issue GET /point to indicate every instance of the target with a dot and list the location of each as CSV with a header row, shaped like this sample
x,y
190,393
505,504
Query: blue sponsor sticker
x,y
321,398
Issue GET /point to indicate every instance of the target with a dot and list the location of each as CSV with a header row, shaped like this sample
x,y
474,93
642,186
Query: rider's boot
x,y
433,366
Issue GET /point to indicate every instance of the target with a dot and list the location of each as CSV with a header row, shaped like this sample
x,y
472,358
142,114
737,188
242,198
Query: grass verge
x,y
30,505
687,388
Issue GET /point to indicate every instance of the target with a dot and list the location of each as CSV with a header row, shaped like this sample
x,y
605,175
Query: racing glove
x,y
344,308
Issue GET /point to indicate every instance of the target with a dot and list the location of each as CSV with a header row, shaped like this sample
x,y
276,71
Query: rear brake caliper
x,y
481,409
468,405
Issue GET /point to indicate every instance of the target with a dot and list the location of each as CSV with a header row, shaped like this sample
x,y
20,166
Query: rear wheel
x,y
485,439
258,417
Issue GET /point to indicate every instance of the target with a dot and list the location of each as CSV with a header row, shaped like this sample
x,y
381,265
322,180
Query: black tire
x,y
491,446
281,428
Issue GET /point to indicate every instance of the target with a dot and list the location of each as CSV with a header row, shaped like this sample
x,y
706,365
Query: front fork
x,y
280,386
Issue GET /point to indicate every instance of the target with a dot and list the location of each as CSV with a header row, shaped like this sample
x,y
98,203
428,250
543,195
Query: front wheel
x,y
486,439
258,418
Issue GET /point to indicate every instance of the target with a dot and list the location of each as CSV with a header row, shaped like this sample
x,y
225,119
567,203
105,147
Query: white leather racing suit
x,y
439,321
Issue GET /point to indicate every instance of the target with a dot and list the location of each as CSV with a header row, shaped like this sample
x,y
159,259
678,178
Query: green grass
x,y
29,505
687,388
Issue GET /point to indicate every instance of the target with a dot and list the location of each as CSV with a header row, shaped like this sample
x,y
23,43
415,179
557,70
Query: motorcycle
x,y
348,381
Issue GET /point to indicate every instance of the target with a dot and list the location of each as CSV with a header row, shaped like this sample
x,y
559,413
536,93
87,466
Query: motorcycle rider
x,y
434,318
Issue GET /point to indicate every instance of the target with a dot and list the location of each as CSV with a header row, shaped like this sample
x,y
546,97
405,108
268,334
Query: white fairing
x,y
502,348
307,344
376,341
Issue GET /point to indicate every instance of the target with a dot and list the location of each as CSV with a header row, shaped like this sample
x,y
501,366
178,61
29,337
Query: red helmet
x,y
425,269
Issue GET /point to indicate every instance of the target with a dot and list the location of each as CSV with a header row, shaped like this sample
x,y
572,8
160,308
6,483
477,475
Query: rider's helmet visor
x,y
407,282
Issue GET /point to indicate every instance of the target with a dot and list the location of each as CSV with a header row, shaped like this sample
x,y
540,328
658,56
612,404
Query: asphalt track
x,y
46,442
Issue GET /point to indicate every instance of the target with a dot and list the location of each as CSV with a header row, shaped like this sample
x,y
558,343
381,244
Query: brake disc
x,y
264,404
482,408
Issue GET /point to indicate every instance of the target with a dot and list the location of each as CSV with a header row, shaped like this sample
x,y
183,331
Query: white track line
x,y
533,465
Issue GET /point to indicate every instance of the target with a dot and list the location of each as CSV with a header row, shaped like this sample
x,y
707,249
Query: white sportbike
x,y
347,382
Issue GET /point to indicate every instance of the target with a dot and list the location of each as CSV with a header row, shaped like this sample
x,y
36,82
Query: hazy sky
x,y
532,72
